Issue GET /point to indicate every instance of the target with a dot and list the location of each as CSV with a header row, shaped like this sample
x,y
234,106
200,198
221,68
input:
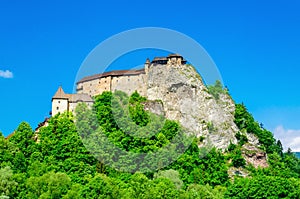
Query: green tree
x,y
264,187
23,139
197,191
245,121
216,89
7,183
50,185
172,175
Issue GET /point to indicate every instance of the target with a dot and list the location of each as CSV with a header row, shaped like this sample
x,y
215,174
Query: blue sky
x,y
255,44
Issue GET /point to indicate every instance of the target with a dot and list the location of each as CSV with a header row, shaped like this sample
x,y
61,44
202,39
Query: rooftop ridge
x,y
60,94
112,73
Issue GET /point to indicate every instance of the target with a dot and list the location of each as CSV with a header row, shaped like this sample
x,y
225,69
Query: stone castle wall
x,y
130,83
127,83
95,86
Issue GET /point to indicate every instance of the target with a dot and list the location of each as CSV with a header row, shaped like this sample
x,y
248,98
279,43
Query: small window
x,y
59,102
57,108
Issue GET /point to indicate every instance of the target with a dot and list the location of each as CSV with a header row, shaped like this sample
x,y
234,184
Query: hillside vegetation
x,y
55,163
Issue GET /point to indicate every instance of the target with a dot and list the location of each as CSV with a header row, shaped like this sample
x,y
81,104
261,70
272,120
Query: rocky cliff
x,y
186,99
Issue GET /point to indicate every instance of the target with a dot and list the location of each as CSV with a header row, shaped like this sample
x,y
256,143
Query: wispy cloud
x,y
289,138
6,74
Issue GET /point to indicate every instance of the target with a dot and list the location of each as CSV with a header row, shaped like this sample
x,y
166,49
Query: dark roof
x,y
82,97
112,73
174,55
160,59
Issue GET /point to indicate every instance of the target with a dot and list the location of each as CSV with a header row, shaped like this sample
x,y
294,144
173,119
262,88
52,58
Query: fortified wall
x,y
127,81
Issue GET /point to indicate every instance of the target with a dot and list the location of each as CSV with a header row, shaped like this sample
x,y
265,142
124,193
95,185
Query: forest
x,y
57,161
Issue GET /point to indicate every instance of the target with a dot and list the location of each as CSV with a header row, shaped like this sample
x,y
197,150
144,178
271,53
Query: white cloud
x,y
6,74
289,138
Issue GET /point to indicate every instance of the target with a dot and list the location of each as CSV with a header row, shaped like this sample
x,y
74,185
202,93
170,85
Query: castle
x,y
127,81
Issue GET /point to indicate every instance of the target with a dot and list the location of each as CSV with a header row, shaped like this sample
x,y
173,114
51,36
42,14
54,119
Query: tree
x,y
203,191
172,175
217,89
263,187
7,184
23,139
50,185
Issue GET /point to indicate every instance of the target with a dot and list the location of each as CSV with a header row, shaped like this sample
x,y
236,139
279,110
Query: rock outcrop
x,y
186,99
254,156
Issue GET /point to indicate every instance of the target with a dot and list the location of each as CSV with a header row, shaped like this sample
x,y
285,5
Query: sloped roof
x,y
60,94
112,73
174,55
10,135
159,59
82,97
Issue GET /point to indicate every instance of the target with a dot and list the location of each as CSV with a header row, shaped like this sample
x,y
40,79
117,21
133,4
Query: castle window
x,y
105,81
59,102
57,108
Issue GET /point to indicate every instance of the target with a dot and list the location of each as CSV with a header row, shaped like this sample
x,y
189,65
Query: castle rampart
x,y
127,81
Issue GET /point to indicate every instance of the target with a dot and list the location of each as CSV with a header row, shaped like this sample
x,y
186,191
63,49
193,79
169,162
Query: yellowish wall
x,y
130,83
95,87
125,83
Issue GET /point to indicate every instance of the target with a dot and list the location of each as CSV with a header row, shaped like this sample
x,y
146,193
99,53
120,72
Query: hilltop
x,y
222,151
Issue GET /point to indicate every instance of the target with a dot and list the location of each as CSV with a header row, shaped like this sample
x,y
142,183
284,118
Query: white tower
x,y
60,102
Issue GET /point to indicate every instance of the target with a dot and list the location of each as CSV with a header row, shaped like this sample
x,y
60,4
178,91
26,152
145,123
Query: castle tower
x,y
175,59
60,102
147,65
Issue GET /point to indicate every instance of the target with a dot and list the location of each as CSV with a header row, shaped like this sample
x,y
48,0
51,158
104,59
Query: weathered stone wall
x,y
125,83
73,105
130,83
95,87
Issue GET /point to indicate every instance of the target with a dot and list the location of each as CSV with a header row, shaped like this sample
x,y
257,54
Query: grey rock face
x,y
155,107
186,99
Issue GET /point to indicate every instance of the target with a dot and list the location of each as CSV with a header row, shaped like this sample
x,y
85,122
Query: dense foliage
x,y
217,89
54,163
